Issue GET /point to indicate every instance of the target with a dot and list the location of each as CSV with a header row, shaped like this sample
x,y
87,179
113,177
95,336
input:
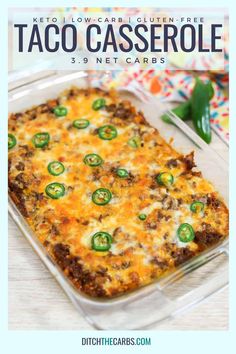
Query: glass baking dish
x,y
192,282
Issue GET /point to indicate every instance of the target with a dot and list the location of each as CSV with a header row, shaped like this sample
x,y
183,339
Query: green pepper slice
x,y
81,123
134,142
60,111
142,217
197,206
107,132
11,141
122,173
98,104
183,110
93,160
101,241
165,179
55,190
56,168
185,232
200,107
41,139
101,196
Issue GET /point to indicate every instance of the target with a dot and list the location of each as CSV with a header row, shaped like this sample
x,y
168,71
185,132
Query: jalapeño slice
x,y
134,142
11,141
41,139
101,241
165,179
98,104
56,168
101,196
93,160
142,217
107,132
122,173
81,123
185,232
197,207
60,111
55,190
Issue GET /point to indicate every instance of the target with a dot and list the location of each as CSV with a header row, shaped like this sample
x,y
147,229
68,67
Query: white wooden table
x,y
36,302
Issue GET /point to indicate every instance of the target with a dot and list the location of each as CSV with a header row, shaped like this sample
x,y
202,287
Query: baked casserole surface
x,y
113,203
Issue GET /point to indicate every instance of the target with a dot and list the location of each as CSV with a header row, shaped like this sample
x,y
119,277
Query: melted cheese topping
x,y
141,251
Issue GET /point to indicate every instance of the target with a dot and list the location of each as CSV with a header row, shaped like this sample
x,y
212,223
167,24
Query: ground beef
x,y
161,263
20,166
21,180
120,110
26,151
17,196
9,164
73,93
189,161
197,173
102,216
151,225
207,238
82,221
117,231
89,282
16,116
213,201
96,174
181,255
121,265
54,230
61,252
38,196
111,107
42,108
172,163
161,216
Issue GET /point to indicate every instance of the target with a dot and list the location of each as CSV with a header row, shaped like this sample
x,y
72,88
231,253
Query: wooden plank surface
x,y
36,302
